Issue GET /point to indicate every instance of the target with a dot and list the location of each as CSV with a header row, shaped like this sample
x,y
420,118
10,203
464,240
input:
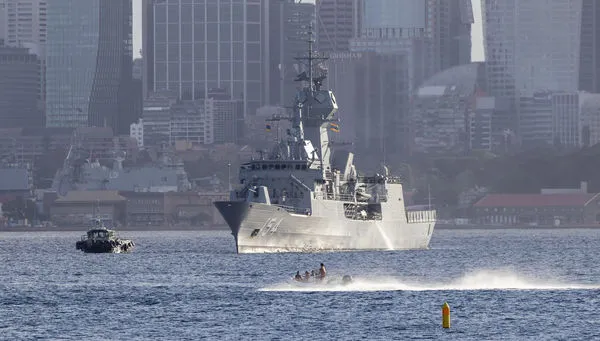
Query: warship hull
x,y
265,228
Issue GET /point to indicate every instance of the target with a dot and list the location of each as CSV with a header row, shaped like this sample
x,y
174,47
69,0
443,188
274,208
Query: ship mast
x,y
305,99
310,66
309,61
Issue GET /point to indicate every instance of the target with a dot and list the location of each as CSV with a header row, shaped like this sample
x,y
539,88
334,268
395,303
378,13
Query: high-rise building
x,y
451,32
2,22
228,119
338,21
447,23
201,45
156,121
137,87
442,107
480,124
89,64
589,57
169,121
550,118
589,111
567,121
289,24
531,46
24,24
394,14
372,91
148,46
396,59
19,88
397,45
533,51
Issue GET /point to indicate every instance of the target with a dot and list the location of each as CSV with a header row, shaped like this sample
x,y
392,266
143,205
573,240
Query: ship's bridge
x,y
268,171
265,165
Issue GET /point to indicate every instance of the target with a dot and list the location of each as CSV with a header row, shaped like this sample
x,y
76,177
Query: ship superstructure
x,y
294,200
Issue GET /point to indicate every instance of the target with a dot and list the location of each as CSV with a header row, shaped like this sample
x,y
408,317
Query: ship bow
x,y
234,212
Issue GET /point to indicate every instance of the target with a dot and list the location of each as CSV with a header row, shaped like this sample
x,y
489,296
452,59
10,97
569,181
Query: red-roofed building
x,y
538,209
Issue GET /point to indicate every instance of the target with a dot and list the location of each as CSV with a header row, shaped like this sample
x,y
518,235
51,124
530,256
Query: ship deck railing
x,y
346,197
426,216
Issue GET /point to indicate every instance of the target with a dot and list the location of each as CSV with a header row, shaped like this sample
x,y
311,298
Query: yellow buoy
x,y
446,315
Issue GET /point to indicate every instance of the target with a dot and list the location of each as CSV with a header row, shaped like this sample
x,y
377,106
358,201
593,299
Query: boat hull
x,y
264,228
121,246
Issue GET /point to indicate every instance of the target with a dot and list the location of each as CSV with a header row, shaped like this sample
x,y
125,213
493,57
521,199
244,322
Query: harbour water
x,y
500,284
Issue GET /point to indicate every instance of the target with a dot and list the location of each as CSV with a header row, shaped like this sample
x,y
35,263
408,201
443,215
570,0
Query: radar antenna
x,y
311,61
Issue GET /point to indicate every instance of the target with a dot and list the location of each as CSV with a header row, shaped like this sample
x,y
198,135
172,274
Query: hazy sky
x,y
477,35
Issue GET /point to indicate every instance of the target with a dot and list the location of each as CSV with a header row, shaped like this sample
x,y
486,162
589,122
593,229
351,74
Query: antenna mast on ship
x,y
304,105
308,61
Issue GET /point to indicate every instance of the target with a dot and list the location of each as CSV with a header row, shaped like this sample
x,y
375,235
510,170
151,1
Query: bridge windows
x,y
277,166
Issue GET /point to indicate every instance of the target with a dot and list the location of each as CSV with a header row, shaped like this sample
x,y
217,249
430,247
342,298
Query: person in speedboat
x,y
322,271
306,276
298,277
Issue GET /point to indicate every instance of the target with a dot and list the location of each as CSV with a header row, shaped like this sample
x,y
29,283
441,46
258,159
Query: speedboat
x,y
328,280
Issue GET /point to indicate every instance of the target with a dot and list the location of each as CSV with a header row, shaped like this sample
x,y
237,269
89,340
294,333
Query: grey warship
x,y
294,200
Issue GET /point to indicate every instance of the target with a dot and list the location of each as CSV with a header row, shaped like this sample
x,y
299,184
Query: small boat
x,y
100,239
329,280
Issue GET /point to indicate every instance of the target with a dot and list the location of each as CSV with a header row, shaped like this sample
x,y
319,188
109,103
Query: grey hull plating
x,y
260,228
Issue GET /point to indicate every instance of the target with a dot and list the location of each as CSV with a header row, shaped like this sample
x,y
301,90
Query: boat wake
x,y
478,280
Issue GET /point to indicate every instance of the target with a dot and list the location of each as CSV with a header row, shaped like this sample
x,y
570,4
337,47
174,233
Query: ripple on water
x,y
510,285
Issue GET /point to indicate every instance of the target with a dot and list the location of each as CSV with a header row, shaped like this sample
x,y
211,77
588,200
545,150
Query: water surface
x,y
500,284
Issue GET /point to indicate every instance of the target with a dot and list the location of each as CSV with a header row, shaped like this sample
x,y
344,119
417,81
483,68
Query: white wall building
x,y
480,124
136,131
170,122
589,108
567,122
550,118
192,122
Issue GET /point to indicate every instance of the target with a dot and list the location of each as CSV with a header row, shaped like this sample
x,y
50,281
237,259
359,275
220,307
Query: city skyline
x,y
477,53
90,85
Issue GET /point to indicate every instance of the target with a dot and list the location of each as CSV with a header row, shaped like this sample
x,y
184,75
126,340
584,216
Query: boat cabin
x,y
100,234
